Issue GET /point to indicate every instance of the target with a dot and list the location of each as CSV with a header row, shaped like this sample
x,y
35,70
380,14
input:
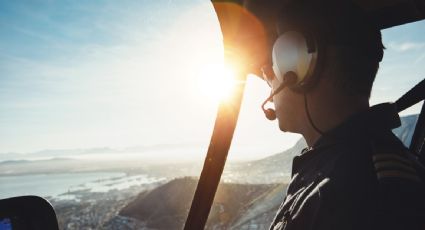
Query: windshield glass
x,y
105,107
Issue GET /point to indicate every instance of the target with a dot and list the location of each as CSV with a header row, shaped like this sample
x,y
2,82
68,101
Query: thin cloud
x,y
406,46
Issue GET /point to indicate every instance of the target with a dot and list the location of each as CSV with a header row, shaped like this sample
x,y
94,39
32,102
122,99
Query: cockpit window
x,y
106,106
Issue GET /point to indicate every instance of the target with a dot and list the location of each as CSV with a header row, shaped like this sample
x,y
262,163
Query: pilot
x,y
355,173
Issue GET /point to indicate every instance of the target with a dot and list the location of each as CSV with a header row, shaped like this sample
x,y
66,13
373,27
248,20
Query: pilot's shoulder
x,y
400,186
395,166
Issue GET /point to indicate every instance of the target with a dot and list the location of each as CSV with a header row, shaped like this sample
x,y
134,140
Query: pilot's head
x,y
334,49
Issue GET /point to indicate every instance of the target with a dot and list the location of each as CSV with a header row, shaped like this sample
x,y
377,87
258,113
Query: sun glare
x,y
217,82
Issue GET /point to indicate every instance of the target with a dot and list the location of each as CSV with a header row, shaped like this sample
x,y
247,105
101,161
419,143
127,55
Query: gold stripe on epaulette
x,y
396,174
382,157
392,164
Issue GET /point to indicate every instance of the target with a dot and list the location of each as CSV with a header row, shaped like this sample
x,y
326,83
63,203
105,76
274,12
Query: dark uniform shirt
x,y
356,176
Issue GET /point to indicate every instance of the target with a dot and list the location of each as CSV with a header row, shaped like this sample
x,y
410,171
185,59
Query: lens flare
x,y
217,82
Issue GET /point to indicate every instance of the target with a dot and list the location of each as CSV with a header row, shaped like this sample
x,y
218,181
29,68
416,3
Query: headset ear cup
x,y
293,51
304,59
284,55
307,65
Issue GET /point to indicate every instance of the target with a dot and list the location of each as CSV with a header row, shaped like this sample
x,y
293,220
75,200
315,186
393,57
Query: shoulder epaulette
x,y
394,166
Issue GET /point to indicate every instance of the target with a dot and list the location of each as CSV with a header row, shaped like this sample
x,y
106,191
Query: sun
x,y
217,82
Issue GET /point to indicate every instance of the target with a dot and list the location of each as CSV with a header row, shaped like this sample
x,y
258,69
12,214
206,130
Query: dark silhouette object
x,y
28,213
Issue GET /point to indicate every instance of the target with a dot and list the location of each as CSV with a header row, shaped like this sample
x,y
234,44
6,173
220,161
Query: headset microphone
x,y
289,79
270,113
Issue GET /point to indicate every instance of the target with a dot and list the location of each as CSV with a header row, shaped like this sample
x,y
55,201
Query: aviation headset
x,y
296,63
296,54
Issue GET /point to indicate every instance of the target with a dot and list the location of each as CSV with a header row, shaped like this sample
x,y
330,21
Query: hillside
x,y
260,213
166,207
405,131
272,169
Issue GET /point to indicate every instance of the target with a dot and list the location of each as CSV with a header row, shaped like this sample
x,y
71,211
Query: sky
x,y
115,74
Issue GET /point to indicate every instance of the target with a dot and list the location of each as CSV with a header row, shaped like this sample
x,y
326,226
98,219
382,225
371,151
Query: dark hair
x,y
348,30
351,72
